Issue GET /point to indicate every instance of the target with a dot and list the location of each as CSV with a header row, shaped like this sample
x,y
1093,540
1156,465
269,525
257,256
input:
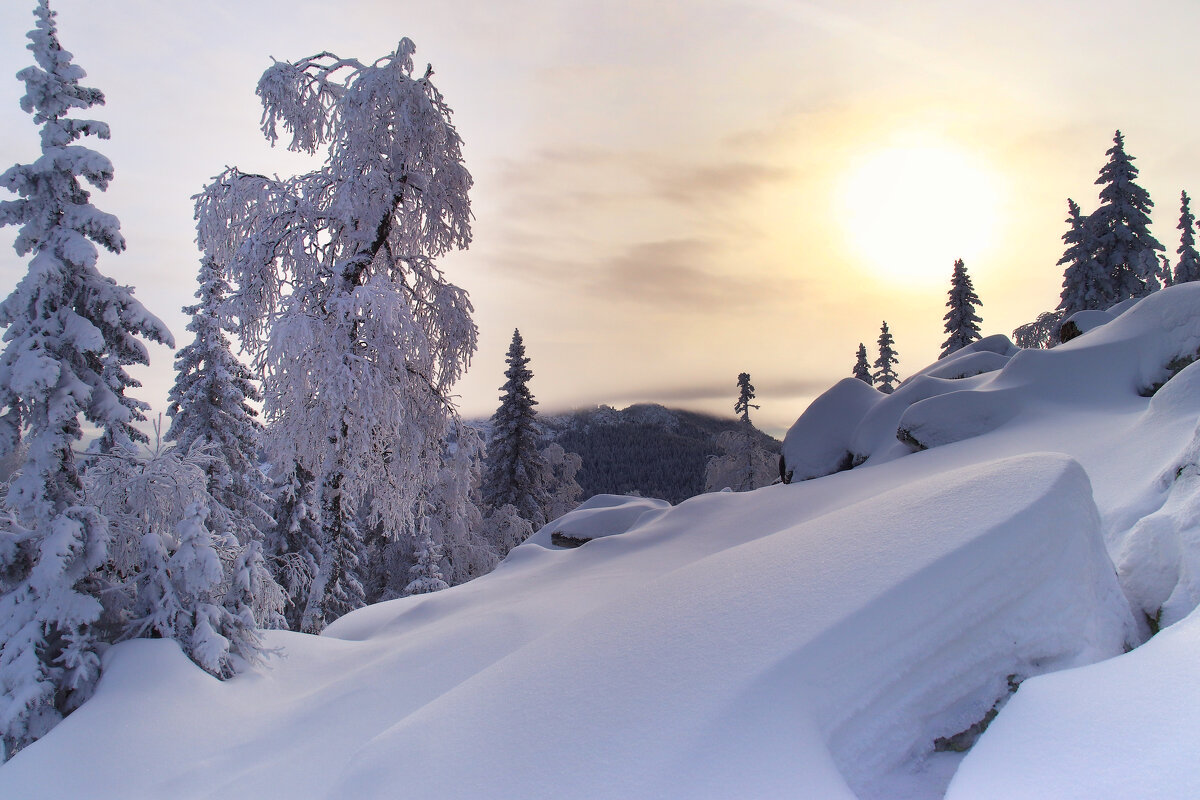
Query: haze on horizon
x,y
668,194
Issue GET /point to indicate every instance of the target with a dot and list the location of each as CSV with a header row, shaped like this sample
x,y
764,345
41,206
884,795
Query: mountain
x,y
644,449
995,599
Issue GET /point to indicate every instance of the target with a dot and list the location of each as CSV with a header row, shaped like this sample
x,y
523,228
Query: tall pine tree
x,y
1188,267
962,323
70,334
885,375
862,367
515,471
745,395
1121,226
210,404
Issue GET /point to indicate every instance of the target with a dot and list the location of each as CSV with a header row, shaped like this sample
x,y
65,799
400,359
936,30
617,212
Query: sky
x,y
670,193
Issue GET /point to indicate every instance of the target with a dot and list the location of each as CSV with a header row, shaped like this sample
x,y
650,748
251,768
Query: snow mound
x,y
1122,728
948,418
602,515
819,442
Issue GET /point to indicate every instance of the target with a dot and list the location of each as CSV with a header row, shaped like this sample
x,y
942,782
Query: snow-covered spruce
x,y
885,376
1188,266
862,367
741,463
745,394
358,334
294,544
962,323
210,403
515,472
70,334
1125,249
1086,284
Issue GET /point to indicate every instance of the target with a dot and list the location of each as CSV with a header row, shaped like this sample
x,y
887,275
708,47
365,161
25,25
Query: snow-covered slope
x,y
819,639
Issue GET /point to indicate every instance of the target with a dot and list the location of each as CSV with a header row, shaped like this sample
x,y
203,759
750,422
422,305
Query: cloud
x,y
671,273
709,185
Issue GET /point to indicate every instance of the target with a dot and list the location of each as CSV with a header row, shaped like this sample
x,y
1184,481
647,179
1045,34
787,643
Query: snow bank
x,y
1123,728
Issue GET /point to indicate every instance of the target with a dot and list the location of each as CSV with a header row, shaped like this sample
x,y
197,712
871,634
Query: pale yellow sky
x,y
662,194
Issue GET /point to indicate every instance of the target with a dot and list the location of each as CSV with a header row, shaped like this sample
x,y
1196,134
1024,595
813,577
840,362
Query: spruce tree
x,y
1188,267
515,471
210,403
1121,226
885,376
862,367
745,395
294,546
962,323
1086,283
70,334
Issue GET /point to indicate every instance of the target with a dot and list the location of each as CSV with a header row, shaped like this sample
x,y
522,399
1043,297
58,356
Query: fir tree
x,y
862,367
1124,247
294,546
426,575
745,394
70,334
1086,283
962,323
885,376
210,402
515,471
1188,267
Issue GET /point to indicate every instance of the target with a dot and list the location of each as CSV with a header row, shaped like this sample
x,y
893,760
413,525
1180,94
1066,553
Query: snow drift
x,y
679,658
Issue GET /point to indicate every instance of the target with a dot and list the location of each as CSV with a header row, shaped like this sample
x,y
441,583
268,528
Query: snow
x,y
819,442
806,640
1122,728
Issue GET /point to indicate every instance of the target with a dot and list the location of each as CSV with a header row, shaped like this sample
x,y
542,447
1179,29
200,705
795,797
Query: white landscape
x,y
804,640
324,579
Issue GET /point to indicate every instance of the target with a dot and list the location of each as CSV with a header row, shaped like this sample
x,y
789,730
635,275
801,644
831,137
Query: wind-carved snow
x,y
788,642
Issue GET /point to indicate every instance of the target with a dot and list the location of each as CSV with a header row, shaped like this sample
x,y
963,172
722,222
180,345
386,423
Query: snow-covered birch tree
x,y
71,332
962,323
885,375
358,334
1188,267
862,367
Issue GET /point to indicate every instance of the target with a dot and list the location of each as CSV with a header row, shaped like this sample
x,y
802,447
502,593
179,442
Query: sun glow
x,y
909,212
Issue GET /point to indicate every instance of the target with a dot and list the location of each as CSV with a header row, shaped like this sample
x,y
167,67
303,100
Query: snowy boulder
x,y
601,515
966,365
875,436
952,417
818,443
1081,322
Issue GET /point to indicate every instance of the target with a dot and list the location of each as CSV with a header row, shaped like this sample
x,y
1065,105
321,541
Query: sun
x,y
908,212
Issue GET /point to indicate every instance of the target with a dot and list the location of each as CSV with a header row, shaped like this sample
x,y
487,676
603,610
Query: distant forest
x,y
644,449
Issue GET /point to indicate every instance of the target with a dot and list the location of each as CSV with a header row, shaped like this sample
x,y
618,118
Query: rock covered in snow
x,y
819,442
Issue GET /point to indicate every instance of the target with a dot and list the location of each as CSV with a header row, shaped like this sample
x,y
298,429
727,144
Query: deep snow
x,y
803,640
